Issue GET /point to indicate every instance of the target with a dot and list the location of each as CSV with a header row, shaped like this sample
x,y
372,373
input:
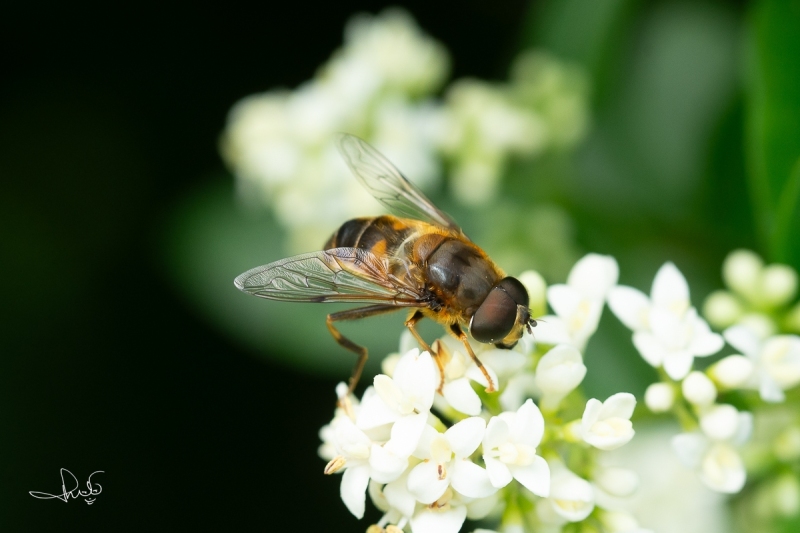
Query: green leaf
x,y
773,125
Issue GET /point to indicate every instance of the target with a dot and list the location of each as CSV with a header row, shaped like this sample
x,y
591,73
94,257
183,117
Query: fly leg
x,y
458,332
353,314
410,324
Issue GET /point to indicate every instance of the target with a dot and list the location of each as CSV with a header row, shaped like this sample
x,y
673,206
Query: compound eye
x,y
495,317
515,289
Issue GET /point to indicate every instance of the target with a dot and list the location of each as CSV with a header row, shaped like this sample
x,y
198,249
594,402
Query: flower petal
x,y
535,477
434,521
398,496
631,307
552,330
353,488
424,482
499,474
723,470
678,364
619,405
593,275
386,466
465,436
670,290
461,397
528,425
743,339
650,348
497,433
563,299
406,434
470,479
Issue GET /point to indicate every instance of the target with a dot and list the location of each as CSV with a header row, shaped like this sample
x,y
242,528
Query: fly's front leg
x,y
353,314
458,332
410,324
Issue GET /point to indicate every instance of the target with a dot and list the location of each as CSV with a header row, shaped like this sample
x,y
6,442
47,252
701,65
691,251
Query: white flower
x,y
776,360
509,449
404,401
360,458
607,425
698,389
393,46
619,482
572,497
732,371
659,397
713,451
459,370
446,462
558,372
578,304
764,286
667,331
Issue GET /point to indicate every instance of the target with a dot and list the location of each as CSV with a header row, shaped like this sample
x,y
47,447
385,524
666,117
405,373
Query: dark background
x,y
108,114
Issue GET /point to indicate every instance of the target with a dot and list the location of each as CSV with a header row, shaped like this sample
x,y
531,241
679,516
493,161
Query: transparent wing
x,y
335,275
388,185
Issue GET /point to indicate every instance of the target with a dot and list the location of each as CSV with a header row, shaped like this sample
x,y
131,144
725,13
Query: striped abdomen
x,y
381,235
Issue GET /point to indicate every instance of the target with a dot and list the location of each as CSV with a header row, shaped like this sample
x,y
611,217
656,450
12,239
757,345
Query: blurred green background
x,y
125,347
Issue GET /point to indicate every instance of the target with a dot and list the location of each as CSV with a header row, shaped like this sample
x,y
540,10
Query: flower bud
x,y
720,422
537,292
698,389
659,397
722,309
741,271
559,372
731,372
778,285
619,482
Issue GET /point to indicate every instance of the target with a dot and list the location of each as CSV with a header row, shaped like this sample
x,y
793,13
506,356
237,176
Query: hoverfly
x,y
418,259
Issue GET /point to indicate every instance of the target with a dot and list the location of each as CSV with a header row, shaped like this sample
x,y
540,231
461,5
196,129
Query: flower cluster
x,y
380,85
669,334
432,448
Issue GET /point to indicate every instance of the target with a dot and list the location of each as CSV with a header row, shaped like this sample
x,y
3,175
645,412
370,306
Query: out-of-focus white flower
x,y
698,389
776,360
485,128
607,425
279,146
558,372
393,46
619,482
732,371
558,92
509,449
571,496
667,331
446,463
579,303
537,292
722,309
659,397
713,451
763,286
